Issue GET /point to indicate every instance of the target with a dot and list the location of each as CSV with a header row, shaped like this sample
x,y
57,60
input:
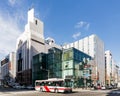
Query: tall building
x,y
116,76
30,43
111,69
108,67
8,69
93,46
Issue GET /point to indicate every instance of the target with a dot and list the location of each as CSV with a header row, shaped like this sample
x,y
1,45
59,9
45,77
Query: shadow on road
x,y
2,89
115,92
70,92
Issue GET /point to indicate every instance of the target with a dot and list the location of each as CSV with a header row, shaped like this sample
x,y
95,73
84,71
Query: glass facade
x,y
54,62
47,65
39,71
75,66
70,64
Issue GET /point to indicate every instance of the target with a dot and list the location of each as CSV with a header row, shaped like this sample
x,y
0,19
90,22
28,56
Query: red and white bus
x,y
54,85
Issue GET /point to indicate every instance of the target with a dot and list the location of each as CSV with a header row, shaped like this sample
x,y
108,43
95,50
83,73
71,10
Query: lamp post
x,y
85,82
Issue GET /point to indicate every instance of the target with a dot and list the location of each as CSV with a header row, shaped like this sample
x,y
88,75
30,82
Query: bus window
x,y
42,84
57,84
37,83
51,83
47,83
54,84
60,83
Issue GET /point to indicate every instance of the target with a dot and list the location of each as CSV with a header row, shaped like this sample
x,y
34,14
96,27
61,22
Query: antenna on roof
x,y
32,6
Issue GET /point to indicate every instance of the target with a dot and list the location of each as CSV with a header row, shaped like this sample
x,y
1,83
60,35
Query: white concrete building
x,y
30,43
93,46
111,69
116,76
108,66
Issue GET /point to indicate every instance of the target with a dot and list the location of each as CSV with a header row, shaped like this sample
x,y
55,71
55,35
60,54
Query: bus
x,y
54,85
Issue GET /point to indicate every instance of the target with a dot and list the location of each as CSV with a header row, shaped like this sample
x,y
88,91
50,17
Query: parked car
x,y
97,87
109,87
17,86
30,87
103,87
23,87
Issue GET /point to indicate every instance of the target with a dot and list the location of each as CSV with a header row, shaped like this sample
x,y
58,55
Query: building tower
x,y
30,43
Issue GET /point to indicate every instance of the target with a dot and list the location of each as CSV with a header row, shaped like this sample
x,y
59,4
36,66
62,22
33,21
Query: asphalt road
x,y
14,92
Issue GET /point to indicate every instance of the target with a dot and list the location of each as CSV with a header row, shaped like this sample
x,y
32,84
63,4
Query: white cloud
x,y
82,24
9,32
12,2
76,35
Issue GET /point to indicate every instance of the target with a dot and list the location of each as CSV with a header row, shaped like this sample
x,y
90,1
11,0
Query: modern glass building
x,y
75,65
67,63
55,62
47,65
40,68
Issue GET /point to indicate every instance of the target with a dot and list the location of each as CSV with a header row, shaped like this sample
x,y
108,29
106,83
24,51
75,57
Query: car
x,y
110,87
17,86
97,87
30,87
23,87
103,88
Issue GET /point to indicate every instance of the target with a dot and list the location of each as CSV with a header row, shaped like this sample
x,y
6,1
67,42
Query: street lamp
x,y
85,82
45,70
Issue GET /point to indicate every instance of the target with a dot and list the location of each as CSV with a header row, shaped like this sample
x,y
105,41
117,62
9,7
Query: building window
x,y
20,56
66,65
36,22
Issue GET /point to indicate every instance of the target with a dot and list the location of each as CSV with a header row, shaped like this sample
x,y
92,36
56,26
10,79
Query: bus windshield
x,y
67,83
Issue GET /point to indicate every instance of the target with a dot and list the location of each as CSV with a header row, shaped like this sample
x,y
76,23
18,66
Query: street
x,y
76,92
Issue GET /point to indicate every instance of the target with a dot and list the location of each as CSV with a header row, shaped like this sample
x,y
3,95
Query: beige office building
x,y
93,46
8,69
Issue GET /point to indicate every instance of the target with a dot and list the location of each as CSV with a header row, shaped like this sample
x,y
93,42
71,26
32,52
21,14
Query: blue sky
x,y
64,20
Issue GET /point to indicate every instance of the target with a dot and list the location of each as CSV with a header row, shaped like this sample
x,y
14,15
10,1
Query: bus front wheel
x,y
41,90
56,90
